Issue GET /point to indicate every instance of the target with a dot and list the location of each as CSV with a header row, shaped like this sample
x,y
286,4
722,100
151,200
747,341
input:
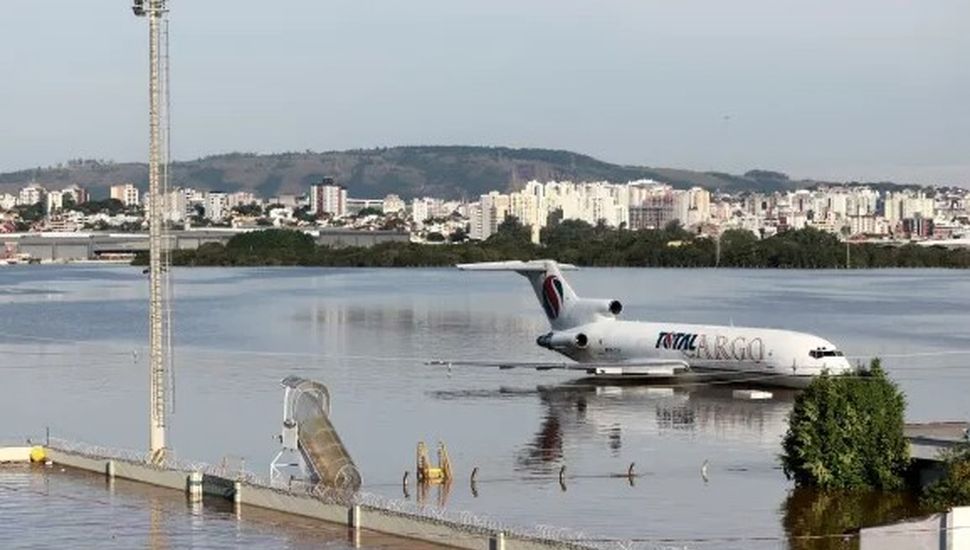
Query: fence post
x,y
353,517
195,486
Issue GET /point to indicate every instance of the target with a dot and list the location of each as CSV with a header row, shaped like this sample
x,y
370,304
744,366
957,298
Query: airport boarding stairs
x,y
312,452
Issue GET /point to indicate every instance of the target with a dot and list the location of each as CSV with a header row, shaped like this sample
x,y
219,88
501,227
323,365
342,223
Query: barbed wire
x,y
466,521
463,520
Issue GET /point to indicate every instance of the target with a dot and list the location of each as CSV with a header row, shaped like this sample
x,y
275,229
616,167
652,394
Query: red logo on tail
x,y
552,296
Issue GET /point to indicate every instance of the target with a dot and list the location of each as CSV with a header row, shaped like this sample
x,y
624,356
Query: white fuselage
x,y
706,348
588,331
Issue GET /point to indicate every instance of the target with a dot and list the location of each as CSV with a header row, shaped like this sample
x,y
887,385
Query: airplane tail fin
x,y
556,296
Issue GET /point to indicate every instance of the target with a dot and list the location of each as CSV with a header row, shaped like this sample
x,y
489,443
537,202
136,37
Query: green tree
x,y
512,240
303,214
580,243
739,248
512,229
953,489
30,213
251,209
108,206
369,211
846,432
459,235
675,231
271,247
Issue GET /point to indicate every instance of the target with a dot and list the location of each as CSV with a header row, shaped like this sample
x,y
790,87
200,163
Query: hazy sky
x,y
858,89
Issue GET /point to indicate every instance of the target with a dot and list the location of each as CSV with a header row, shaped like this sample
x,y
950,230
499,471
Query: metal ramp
x,y
312,452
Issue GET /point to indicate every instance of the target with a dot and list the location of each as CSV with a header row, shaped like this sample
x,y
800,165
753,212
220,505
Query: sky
x,y
864,90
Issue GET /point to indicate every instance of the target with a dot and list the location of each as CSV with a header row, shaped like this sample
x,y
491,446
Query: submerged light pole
x,y
155,11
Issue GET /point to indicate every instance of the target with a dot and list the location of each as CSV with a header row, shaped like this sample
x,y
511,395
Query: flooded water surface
x,y
72,346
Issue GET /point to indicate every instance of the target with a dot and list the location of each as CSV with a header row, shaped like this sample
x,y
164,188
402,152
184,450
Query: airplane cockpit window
x,y
820,353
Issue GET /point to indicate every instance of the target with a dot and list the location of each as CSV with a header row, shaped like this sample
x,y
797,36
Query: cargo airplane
x,y
589,332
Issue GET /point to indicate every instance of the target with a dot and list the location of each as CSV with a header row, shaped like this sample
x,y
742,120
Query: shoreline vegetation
x,y
846,439
579,243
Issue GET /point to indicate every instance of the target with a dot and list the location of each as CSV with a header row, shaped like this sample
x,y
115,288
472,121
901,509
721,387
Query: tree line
x,y
580,243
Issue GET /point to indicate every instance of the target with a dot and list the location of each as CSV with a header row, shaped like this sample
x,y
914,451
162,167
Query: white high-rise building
x,y
177,205
919,206
862,202
216,206
55,201
240,198
476,230
31,195
421,210
699,206
904,205
392,204
7,201
527,208
495,209
327,198
126,193
893,206
77,193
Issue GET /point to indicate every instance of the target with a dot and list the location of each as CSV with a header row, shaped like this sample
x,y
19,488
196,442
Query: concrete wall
x,y
340,239
357,518
949,531
56,248
88,246
919,534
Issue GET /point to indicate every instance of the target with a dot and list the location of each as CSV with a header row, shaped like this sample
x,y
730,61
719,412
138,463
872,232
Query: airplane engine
x,y
563,340
603,308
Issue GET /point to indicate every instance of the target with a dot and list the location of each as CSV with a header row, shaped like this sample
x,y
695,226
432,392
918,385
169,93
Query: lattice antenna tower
x,y
159,317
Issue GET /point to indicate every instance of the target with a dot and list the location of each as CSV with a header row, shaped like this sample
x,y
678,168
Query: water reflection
x,y
609,414
441,492
817,520
157,532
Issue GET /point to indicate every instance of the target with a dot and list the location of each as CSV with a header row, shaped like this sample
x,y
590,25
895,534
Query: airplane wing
x,y
657,368
514,265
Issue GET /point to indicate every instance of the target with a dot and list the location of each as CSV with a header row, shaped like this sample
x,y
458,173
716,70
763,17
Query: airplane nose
x,y
842,366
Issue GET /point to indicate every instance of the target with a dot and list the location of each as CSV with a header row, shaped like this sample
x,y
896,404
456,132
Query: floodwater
x,y
72,354
53,508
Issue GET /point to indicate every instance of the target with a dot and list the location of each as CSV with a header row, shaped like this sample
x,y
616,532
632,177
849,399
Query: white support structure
x,y
289,465
158,341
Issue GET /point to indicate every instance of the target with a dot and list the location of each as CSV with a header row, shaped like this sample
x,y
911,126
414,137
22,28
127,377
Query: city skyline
x,y
876,93
850,211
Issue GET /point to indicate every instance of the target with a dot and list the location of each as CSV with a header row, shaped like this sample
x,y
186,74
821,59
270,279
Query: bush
x,y
270,247
846,432
578,242
953,489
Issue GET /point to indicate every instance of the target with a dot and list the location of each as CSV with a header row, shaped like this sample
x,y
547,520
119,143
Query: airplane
x,y
588,332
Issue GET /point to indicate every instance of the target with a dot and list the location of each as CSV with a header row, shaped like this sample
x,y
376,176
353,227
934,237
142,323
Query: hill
x,y
441,171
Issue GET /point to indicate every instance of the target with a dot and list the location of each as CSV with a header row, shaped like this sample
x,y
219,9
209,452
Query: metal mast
x,y
155,11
